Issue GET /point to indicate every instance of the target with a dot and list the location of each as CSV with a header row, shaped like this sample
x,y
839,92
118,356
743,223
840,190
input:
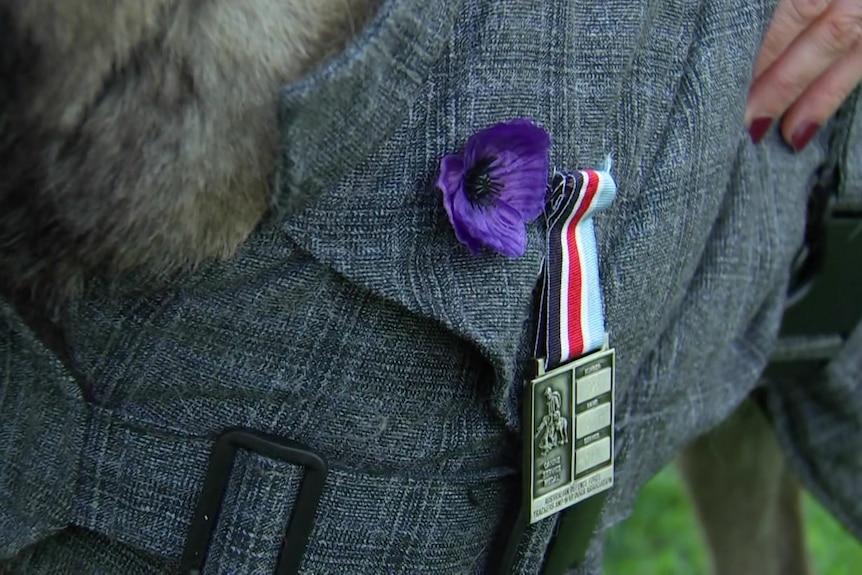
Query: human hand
x,y
809,62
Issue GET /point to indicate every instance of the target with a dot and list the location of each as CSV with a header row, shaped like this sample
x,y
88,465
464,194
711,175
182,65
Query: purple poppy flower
x,y
496,186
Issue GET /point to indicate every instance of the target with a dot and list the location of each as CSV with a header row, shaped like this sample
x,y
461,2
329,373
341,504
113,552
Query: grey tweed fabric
x,y
850,142
353,322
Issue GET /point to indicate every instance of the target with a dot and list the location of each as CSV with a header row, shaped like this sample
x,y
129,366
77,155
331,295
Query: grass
x,y
662,538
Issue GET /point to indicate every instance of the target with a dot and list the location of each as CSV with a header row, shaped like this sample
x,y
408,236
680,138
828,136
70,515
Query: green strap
x,y
574,531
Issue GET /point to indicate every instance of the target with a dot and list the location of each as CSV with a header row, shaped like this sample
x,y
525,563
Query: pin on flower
x,y
497,185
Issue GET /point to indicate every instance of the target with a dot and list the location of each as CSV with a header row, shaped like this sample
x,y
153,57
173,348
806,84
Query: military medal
x,y
491,191
569,404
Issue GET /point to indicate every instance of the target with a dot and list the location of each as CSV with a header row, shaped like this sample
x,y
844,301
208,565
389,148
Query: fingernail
x,y
758,129
803,135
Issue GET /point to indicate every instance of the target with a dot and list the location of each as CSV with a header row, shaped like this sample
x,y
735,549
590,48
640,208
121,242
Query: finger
x,y
834,33
822,99
791,17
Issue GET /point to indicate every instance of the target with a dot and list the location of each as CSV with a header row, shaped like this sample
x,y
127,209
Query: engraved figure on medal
x,y
553,430
552,447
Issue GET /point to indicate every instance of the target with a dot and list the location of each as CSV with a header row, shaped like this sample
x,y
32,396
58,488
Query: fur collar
x,y
142,135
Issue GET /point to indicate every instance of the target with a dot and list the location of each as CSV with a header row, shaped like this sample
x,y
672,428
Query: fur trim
x,y
142,135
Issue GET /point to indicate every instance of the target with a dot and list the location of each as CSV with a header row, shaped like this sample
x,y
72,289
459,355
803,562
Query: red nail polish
x,y
758,129
803,135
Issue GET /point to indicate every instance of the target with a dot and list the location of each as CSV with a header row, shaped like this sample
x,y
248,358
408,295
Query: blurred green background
x,y
662,537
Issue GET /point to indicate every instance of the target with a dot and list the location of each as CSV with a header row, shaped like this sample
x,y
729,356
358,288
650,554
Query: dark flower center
x,y
482,190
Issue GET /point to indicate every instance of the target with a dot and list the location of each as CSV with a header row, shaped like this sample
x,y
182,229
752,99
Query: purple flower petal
x,y
497,185
501,229
520,149
525,184
521,137
451,178
461,223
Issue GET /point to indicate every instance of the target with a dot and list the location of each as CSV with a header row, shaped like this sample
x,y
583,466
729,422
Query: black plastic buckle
x,y
215,484
824,297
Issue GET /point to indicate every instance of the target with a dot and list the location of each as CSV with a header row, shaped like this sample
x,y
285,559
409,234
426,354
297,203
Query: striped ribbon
x,y
572,320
